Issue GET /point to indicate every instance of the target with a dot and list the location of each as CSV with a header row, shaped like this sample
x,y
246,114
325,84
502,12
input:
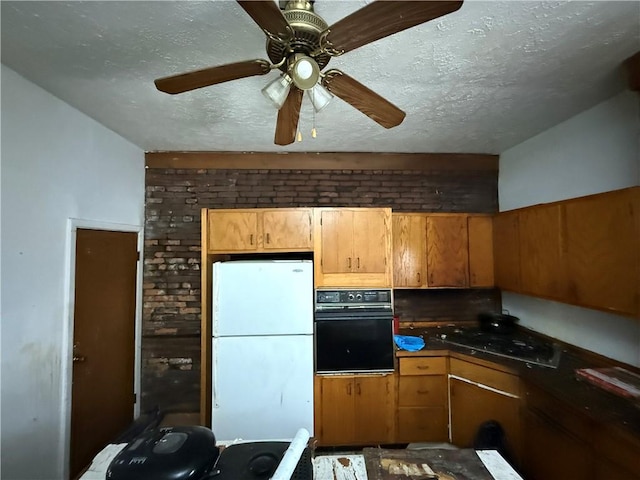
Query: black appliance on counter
x,y
511,343
353,331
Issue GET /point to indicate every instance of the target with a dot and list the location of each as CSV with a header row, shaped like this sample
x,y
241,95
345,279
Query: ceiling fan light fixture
x,y
320,97
304,72
278,90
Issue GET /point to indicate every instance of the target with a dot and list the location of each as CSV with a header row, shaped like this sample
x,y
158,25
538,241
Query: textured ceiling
x,y
479,80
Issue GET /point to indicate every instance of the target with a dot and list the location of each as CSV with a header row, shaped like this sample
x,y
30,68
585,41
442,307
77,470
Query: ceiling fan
x,y
300,44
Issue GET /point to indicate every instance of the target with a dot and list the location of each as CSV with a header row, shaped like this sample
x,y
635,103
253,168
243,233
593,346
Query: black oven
x,y
353,331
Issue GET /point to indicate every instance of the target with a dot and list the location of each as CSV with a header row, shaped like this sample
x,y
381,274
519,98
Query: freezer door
x,y
262,298
262,387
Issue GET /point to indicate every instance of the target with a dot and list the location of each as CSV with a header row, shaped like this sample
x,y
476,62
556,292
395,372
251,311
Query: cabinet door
x,y
369,240
447,251
603,251
337,410
286,229
542,259
337,241
233,231
480,251
472,405
506,251
374,409
409,250
554,454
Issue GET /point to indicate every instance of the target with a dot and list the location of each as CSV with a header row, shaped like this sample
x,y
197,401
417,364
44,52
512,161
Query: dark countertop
x,y
560,382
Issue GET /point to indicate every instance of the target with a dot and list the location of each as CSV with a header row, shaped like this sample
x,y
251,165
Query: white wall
x,y
56,164
593,152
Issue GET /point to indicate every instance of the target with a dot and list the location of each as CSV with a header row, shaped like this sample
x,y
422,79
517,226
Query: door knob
x,y
78,358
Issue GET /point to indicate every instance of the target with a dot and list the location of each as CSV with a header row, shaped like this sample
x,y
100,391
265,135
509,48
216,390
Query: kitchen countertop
x,y
560,382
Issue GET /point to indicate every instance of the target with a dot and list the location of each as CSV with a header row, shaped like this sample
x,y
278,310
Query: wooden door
x,y
337,241
286,229
103,342
233,231
480,251
447,251
542,258
369,241
603,251
338,412
506,251
374,409
409,250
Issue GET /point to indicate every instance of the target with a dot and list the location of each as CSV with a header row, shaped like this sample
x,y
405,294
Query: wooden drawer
x,y
422,391
422,425
423,366
486,376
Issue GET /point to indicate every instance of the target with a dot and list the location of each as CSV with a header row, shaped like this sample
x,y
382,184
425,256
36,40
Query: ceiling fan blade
x,y
210,76
382,18
367,101
288,116
267,14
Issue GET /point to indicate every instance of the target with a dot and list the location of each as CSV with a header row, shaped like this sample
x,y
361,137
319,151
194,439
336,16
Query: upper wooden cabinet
x,y
583,251
260,230
442,250
352,247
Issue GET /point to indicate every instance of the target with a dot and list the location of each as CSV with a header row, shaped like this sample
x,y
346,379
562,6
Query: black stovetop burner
x,y
516,346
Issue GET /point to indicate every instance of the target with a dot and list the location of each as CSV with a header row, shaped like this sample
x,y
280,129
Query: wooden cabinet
x,y
478,394
603,251
506,250
583,251
409,250
442,250
422,400
582,448
260,230
354,409
353,247
447,251
542,267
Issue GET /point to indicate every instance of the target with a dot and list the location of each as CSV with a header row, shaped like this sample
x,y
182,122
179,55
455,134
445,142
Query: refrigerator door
x,y
262,387
262,298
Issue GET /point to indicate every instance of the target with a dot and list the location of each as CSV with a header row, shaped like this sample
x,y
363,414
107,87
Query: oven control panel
x,y
353,297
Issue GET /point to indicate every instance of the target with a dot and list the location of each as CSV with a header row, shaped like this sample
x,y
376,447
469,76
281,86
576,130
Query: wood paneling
x,y
324,161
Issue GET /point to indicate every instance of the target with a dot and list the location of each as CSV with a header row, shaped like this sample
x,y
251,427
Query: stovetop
x,y
516,346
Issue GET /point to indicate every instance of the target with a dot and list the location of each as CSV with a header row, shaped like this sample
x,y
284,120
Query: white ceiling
x,y
479,80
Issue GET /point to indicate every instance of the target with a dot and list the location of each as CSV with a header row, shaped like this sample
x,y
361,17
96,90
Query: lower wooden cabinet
x,y
354,409
478,394
561,443
422,400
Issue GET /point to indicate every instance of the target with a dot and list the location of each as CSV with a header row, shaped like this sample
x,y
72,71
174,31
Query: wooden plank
x,y
323,161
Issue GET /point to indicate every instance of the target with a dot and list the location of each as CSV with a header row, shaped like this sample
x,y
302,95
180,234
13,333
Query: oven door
x,y
354,344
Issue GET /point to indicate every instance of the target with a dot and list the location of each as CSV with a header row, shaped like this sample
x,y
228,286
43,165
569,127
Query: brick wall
x,y
174,197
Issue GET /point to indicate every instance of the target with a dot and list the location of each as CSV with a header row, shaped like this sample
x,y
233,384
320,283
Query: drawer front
x,y
486,376
423,366
422,391
422,425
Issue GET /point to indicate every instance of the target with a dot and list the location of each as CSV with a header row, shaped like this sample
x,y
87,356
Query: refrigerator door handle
x,y
214,386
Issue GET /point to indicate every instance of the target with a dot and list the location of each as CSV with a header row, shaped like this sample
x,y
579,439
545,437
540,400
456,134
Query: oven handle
x,y
346,318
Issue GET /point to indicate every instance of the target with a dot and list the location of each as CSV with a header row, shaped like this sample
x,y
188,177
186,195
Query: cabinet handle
x,y
349,262
418,277
358,263
422,392
349,389
423,367
251,239
268,238
358,391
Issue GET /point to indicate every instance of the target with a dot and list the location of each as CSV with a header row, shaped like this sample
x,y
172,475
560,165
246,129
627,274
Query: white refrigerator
x,y
262,350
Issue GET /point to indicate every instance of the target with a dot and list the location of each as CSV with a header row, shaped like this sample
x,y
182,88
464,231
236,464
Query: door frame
x,y
73,224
